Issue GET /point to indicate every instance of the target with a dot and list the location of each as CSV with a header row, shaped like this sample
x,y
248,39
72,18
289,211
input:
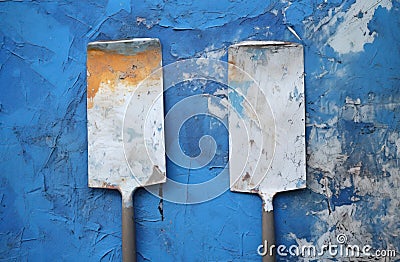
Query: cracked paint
x,y
352,113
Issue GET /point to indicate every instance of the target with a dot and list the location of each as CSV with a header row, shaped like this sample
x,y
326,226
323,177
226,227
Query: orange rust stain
x,y
111,68
109,186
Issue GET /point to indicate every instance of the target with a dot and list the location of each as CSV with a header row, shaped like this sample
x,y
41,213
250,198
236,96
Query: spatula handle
x,y
128,234
268,235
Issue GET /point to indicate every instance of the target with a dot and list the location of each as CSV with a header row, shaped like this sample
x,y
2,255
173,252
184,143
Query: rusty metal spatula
x,y
267,123
120,112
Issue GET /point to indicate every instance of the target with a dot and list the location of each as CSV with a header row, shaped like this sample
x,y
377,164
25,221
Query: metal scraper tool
x,y
267,122
125,122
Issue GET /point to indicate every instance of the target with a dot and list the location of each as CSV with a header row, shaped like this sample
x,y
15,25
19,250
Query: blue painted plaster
x,y
47,212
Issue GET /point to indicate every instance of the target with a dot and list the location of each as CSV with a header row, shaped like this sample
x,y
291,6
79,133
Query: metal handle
x,y
128,230
268,235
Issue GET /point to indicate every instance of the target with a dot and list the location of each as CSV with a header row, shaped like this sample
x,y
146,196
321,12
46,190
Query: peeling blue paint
x,y
47,212
236,101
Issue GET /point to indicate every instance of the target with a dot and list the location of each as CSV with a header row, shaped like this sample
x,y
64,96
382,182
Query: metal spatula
x,y
120,112
269,156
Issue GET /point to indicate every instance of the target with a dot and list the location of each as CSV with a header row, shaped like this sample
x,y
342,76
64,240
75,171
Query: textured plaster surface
x,y
352,90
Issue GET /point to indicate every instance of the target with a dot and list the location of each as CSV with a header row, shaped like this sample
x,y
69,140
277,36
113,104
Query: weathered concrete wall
x,y
352,67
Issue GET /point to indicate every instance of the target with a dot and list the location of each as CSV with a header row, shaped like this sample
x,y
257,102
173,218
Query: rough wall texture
x,y
352,66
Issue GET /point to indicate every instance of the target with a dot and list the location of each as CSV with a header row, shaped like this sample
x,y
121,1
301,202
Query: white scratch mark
x,y
293,32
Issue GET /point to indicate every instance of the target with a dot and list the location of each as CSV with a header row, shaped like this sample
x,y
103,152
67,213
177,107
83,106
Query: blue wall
x,y
47,212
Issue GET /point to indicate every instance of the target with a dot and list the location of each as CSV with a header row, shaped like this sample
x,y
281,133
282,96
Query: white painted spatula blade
x,y
115,71
278,72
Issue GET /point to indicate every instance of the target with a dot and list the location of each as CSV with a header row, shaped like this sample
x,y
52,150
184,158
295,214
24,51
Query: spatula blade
x,y
115,71
275,147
